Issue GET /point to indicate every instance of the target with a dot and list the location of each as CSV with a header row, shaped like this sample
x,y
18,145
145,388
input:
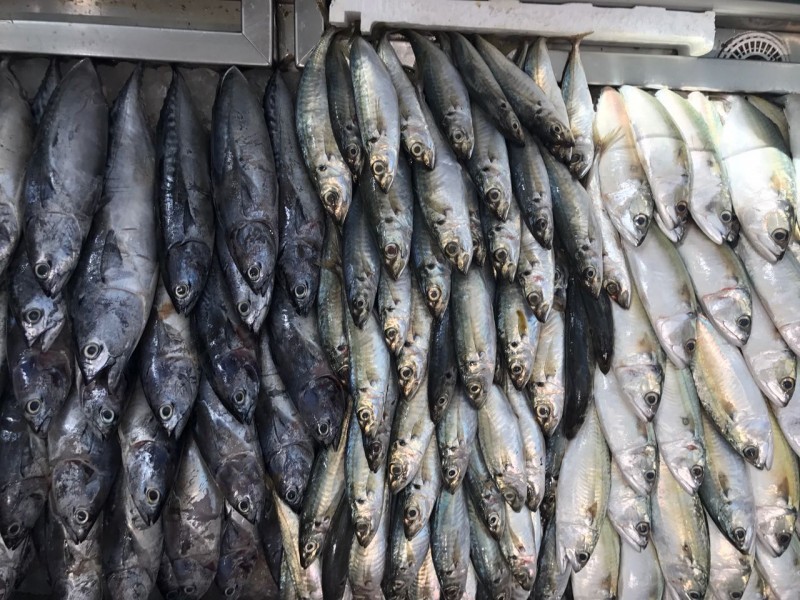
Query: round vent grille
x,y
755,45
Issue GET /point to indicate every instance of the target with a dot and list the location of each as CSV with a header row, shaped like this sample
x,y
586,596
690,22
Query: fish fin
x,y
111,257
576,40
604,142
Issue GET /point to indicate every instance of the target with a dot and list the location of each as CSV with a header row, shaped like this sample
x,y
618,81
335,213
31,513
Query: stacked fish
x,y
385,343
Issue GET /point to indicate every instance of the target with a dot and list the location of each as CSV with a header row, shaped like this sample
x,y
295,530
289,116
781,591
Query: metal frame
x,y
102,36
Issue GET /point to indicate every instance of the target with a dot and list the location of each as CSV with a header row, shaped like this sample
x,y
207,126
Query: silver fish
x,y
639,574
368,563
517,333
455,435
546,384
503,240
365,488
394,308
484,496
342,103
533,445
488,166
729,569
331,321
475,224
417,500
307,583
780,575
578,101
518,546
361,261
405,557
628,511
432,268
789,421
490,565
537,64
532,189
76,569
600,577
450,543
536,275
412,432
412,361
552,578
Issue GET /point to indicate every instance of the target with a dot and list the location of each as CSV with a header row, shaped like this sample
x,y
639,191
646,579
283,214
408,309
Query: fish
x,y
447,96
301,362
601,326
412,360
71,145
475,333
531,186
231,451
376,446
729,569
546,385
301,226
14,565
331,322
227,347
414,134
536,275
323,159
517,333
41,317
169,364
83,466
412,432
533,445
46,88
665,289
416,500
710,196
552,578
450,543
490,565
341,102
503,239
630,440
271,542
475,224
789,422
185,210
579,358
405,558
368,563
24,479
75,568
628,511
600,577
779,575
16,145
529,101
680,537
244,180
679,429
378,111
40,378
239,552
427,581
432,269
580,108
442,361
115,280
757,163
104,406
192,521
149,457
731,398
624,187
725,490
336,554
774,113
721,285
394,308
582,498
576,224
518,546
361,261
536,63
455,436
639,574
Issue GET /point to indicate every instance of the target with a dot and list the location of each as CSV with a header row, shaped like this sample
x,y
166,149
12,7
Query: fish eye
x,y
378,168
650,476
181,290
323,429
331,198
395,470
412,513
643,527
475,389
230,591
352,150
390,333
310,547
238,397
188,590
451,249
152,495
493,195
694,595
244,505
391,250
698,473
612,288
416,150
91,350
787,383
533,298
750,452
510,497
690,346
780,236
14,529
452,473
681,207
589,273
291,496
651,398
441,400
33,407
736,595
243,307
739,533
406,372
514,125
494,521
107,415
501,255
434,294
81,516
583,557
575,158
743,322
557,129
540,224
33,316
42,270
364,415
360,303
784,538
458,136
543,412
640,220
165,412
254,272
725,216
516,369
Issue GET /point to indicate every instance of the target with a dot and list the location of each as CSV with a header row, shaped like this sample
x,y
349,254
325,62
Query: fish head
x,y
394,252
413,516
77,497
548,403
519,362
678,337
752,438
129,584
477,374
322,399
301,279
21,504
236,383
456,245
365,521
101,338
687,463
441,395
769,233
253,314
719,222
42,318
687,581
632,520
523,568
312,536
776,370
641,383
512,125
504,261
194,574
732,312
557,135
454,467
54,245
404,459
254,249
575,544
513,487
541,223
171,388
360,302
618,290
738,525
42,387
590,265
382,162
634,221
292,467
493,511
582,157
497,193
410,372
791,335
437,295
187,267
393,333
731,582
335,189
458,125
775,527
639,467
150,472
102,406
419,144
242,478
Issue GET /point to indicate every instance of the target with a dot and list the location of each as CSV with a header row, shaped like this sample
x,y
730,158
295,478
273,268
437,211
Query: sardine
x,y
331,321
412,432
639,574
517,332
579,358
341,102
450,543
600,577
489,166
412,360
503,240
536,274
416,501
536,63
361,261
546,384
580,108
488,502
455,435
518,546
367,564
628,511
307,583
531,186
729,569
780,575
475,224
490,565
442,361
552,578
365,488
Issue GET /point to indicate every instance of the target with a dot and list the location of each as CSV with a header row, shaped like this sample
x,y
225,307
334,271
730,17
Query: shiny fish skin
x,y
75,568
365,489
378,111
730,396
169,364
323,160
72,142
412,432
239,552
579,360
600,577
578,101
368,563
455,435
490,566
475,225
488,166
710,197
442,361
394,308
552,578
628,511
376,446
116,278
16,144
601,327
336,554
679,429
450,543
302,223
484,497
546,384
639,574
341,102
729,569
414,133
361,261
447,96
432,268
185,207
531,187
665,290
789,422
720,283
503,240
780,574
417,499
46,88
533,445
536,275
773,113
537,64
331,322
412,360
518,546
517,333
427,583
307,583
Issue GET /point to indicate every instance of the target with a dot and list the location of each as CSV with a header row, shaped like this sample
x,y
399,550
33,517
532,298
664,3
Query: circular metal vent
x,y
755,45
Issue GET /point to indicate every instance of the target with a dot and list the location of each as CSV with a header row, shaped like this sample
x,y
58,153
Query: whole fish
x,y
24,479
301,224
730,396
517,333
239,552
75,568
446,95
62,186
680,537
116,279
450,543
442,361
779,575
710,195
40,378
490,565
626,193
725,491
578,101
394,308
518,546
377,109
365,488
531,187
231,451
552,578
579,358
361,261
331,321
46,88
484,497
720,283
455,436
412,431
416,501
600,577
576,224
414,133
83,467
665,290
149,457
192,522
546,384
533,445
41,317
729,569
299,356
536,274
16,144
368,563
628,511
185,207
679,429
639,574
315,133
244,179
663,155
757,163
529,101
503,240
341,102
405,558
432,268
475,225
169,364
412,360
489,166
536,63
227,347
